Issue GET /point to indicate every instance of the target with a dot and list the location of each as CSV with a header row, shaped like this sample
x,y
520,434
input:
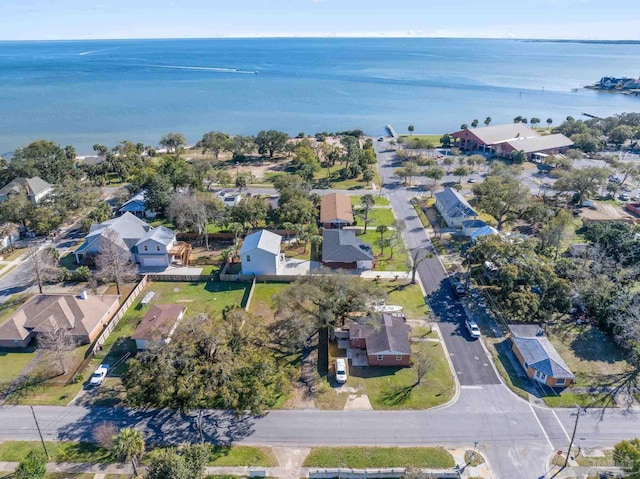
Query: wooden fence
x,y
184,278
387,473
97,344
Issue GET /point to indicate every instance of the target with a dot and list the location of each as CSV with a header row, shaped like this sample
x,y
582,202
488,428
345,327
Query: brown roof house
x,y
336,211
385,340
158,325
539,359
82,316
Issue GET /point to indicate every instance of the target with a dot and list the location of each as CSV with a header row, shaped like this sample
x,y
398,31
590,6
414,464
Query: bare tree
x,y
422,364
398,227
59,342
9,230
114,260
417,256
104,434
44,265
196,211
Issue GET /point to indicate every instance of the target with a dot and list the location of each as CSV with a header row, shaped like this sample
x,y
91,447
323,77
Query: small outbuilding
x,y
260,253
158,325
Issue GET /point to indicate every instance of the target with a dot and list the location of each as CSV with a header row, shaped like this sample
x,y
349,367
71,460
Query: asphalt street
x,y
470,360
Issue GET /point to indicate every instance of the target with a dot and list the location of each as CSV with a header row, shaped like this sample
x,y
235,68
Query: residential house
x,y
453,208
137,206
343,249
34,188
539,359
260,253
158,325
503,140
475,229
336,211
9,239
84,317
151,247
229,199
385,340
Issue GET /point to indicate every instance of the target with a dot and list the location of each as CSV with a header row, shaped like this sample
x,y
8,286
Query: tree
x,y
517,119
397,228
518,156
583,182
448,161
42,158
59,343
411,129
534,121
549,121
367,201
104,434
445,140
113,261
128,445
251,210
17,209
196,212
487,121
158,191
627,454
9,230
620,134
503,196
173,142
271,142
422,363
434,173
44,265
408,171
215,142
33,466
382,229
464,126
461,171
166,463
241,146
474,123
418,255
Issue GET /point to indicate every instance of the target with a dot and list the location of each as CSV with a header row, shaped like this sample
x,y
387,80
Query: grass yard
x,y
434,139
356,200
385,262
238,456
12,364
395,388
423,332
569,399
595,461
378,457
423,218
16,451
15,254
409,296
9,307
8,270
261,301
380,216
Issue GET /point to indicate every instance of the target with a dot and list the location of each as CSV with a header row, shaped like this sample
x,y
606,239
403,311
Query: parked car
x,y
341,370
98,375
459,288
381,139
624,197
472,327
471,180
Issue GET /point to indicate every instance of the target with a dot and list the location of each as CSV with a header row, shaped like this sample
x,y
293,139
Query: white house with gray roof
x,y
453,208
539,359
34,188
151,247
260,253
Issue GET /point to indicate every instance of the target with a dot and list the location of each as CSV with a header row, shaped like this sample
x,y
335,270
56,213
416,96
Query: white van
x,y
341,371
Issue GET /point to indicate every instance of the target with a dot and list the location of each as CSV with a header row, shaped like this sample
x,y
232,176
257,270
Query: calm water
x,y
90,92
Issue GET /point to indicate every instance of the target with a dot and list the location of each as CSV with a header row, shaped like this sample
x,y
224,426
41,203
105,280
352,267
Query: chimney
x,y
83,295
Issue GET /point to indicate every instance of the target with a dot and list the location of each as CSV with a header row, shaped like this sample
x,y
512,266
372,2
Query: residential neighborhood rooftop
x,y
159,321
264,240
387,333
344,246
336,206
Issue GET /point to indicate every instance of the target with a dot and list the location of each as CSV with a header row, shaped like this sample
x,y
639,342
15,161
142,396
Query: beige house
x,y
82,316
158,325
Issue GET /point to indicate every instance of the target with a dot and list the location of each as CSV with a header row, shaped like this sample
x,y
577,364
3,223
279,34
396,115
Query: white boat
x,y
387,308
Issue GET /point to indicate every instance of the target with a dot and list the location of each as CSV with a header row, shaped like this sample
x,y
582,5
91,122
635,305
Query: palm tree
x,y
474,123
128,445
549,121
464,126
9,230
382,229
517,119
411,129
487,121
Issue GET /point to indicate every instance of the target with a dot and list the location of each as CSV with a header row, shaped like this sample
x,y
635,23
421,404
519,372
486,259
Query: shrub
x,y
81,273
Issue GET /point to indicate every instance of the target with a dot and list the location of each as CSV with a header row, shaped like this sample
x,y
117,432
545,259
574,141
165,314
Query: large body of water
x,y
86,92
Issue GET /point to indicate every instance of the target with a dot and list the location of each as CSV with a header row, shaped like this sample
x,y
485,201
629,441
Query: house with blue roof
x,y
137,206
453,208
149,246
538,357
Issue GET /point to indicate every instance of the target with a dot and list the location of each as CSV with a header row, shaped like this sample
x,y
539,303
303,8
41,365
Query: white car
x,y
472,327
99,374
341,371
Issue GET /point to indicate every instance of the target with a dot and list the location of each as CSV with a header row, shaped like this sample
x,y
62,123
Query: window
x,y
248,259
560,381
157,247
380,357
146,248
398,357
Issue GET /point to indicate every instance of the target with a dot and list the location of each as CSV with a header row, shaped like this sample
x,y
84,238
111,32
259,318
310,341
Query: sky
x,y
99,19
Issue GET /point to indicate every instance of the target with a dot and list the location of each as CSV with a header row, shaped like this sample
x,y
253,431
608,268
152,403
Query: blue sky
x,y
80,19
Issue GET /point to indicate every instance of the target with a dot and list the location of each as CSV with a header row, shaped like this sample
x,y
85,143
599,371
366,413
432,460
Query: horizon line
x,y
331,36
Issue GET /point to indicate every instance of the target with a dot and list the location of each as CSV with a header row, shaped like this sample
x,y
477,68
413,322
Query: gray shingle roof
x,y
454,203
343,246
31,186
160,234
540,354
388,333
264,240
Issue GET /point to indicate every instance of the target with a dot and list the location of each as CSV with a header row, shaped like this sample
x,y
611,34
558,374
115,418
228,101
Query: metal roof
x,y
539,354
540,143
454,203
161,234
491,135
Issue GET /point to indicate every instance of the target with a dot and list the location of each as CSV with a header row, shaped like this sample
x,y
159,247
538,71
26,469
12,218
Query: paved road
x,y
469,358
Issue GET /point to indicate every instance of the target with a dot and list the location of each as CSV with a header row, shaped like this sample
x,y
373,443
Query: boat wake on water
x,y
206,69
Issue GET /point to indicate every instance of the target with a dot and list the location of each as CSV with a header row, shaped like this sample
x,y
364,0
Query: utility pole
x,y
577,414
44,446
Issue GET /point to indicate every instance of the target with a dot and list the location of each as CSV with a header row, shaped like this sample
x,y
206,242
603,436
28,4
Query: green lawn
x,y
69,261
261,301
379,216
12,364
15,254
16,451
423,218
435,139
238,456
378,457
395,388
10,306
569,399
356,200
385,262
409,296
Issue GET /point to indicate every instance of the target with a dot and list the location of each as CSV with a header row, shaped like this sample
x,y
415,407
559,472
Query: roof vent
x,y
83,295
